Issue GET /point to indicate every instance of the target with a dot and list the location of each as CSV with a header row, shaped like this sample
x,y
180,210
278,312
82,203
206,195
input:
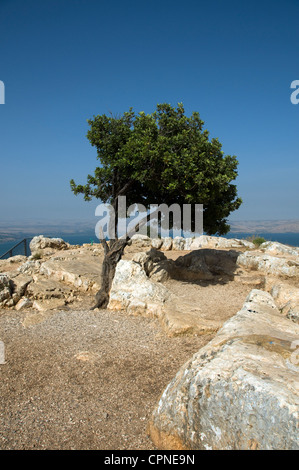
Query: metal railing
x,y
23,243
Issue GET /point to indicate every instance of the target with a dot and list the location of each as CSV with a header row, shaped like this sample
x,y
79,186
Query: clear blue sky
x,y
64,61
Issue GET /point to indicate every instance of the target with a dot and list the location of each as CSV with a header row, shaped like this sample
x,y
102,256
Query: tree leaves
x,y
163,157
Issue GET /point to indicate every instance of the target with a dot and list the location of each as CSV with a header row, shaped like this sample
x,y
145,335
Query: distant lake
x,y
78,239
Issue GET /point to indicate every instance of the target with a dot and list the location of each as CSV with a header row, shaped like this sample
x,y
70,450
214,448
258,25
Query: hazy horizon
x,y
64,62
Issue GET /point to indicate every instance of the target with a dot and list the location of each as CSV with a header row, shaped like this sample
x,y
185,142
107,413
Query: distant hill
x,y
10,231
265,226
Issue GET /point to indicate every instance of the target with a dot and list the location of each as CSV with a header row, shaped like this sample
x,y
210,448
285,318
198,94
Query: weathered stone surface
x,y
134,292
48,289
5,289
166,244
43,305
4,281
240,391
162,270
41,243
267,264
19,284
277,248
180,318
156,243
205,264
82,272
23,303
188,242
178,243
29,267
10,263
206,241
140,241
286,297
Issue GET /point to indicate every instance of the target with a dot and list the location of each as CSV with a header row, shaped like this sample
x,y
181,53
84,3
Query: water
x,y
73,239
78,239
285,238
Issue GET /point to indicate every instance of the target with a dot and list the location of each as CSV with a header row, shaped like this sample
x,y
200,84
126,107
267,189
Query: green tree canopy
x,y
162,157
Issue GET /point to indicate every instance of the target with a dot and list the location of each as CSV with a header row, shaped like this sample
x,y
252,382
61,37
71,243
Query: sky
x,y
64,61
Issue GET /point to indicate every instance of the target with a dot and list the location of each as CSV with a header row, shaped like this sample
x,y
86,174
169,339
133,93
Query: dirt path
x,y
81,379
84,380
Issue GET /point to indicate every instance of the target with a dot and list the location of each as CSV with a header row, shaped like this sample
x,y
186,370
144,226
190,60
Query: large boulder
x,y
205,264
133,292
240,391
40,244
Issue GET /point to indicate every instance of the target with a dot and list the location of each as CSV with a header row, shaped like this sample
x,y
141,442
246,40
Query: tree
x,y
162,157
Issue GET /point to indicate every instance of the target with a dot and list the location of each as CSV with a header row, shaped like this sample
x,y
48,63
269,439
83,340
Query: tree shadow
x,y
204,266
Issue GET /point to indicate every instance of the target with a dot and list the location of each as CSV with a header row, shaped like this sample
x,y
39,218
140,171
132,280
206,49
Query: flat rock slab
x,y
48,289
83,272
238,392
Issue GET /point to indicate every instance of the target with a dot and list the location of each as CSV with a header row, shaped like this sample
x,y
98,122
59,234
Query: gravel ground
x,y
84,380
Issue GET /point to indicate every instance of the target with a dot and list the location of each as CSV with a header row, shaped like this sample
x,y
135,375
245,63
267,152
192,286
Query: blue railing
x,y
21,248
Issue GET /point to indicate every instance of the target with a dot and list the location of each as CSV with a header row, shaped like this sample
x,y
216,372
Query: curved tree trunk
x,y
112,255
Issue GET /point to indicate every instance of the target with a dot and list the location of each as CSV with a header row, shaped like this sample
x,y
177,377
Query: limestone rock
x,y
156,243
267,264
167,244
178,243
206,241
40,243
5,289
23,303
155,264
44,289
82,272
29,267
11,263
205,264
179,318
277,248
140,241
162,270
20,283
188,242
134,292
240,391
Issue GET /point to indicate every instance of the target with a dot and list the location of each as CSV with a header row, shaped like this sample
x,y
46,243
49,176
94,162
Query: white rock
x,y
167,244
23,303
156,243
278,248
40,243
268,264
240,391
178,243
132,290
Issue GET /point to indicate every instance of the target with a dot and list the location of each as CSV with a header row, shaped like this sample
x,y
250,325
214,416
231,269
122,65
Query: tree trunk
x,y
112,255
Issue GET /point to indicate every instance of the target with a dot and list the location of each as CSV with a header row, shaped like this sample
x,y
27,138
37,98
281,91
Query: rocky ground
x,y
80,379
